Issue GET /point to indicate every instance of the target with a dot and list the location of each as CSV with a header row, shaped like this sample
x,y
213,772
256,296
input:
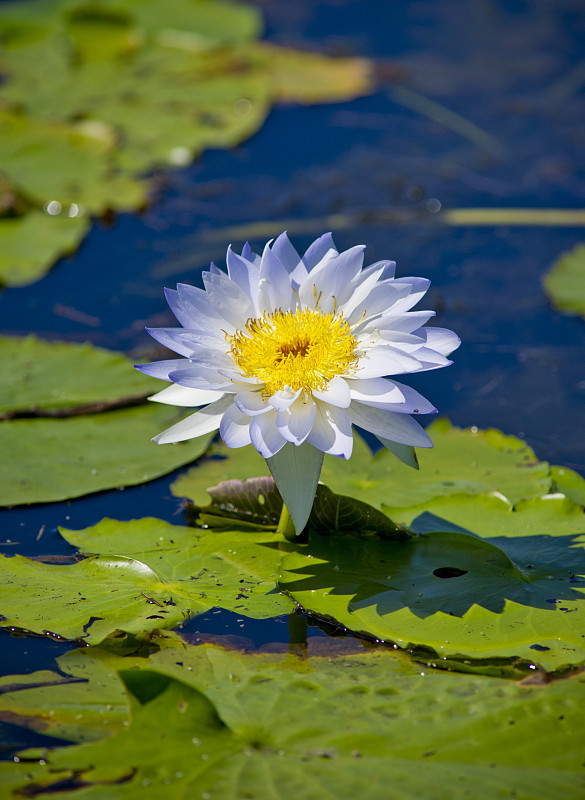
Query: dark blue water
x,y
505,67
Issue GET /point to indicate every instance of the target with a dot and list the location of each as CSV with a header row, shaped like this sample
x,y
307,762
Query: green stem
x,y
285,525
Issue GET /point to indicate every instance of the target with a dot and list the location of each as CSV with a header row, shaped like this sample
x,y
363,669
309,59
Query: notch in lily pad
x,y
256,502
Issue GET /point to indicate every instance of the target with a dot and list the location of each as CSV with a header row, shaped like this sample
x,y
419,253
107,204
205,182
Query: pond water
x,y
504,129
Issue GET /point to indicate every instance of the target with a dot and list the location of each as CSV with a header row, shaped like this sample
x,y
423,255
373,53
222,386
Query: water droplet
x,y
53,208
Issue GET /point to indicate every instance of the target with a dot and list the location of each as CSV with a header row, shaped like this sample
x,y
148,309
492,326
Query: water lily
x,y
287,352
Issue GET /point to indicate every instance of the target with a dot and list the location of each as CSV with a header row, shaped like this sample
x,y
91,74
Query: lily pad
x,y
56,459
230,725
565,282
124,90
143,575
30,244
37,377
484,580
462,461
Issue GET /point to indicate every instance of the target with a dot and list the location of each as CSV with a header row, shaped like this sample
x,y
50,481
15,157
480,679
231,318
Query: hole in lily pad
x,y
449,572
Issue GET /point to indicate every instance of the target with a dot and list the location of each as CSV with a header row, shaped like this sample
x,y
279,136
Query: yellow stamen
x,y
303,349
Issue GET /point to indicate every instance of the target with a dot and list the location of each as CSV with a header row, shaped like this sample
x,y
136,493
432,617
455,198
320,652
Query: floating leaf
x,y
484,580
462,461
30,245
38,376
144,574
565,282
233,725
95,96
56,459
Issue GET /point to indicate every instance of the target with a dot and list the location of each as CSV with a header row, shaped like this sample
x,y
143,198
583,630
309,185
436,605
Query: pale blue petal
x,y
162,369
295,422
234,428
386,424
264,434
251,403
331,431
442,340
228,299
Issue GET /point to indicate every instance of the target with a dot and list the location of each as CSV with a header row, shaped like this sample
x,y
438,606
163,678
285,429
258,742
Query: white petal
x,y
375,390
330,278
404,452
196,307
408,400
229,300
318,250
198,424
383,297
283,398
336,393
296,471
243,272
295,422
387,424
251,403
379,361
175,395
184,341
408,322
234,428
442,340
264,434
331,431
286,253
417,288
274,287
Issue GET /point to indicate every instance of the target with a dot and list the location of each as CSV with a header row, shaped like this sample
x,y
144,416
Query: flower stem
x,y
285,525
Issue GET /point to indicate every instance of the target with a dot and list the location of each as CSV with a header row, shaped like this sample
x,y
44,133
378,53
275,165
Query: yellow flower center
x,y
302,349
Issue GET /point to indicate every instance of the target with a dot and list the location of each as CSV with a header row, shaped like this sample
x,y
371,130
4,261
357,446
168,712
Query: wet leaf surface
x,y
140,576
230,724
483,580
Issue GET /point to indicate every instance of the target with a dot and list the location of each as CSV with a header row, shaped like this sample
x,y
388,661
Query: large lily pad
x,y
37,376
55,459
462,461
30,244
565,282
484,580
144,574
235,726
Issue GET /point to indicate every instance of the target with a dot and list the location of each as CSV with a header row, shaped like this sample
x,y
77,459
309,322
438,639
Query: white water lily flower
x,y
287,352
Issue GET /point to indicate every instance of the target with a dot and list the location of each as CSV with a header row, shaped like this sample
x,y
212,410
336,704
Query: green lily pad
x,y
56,459
30,244
231,725
484,580
462,461
37,376
124,90
565,282
142,575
